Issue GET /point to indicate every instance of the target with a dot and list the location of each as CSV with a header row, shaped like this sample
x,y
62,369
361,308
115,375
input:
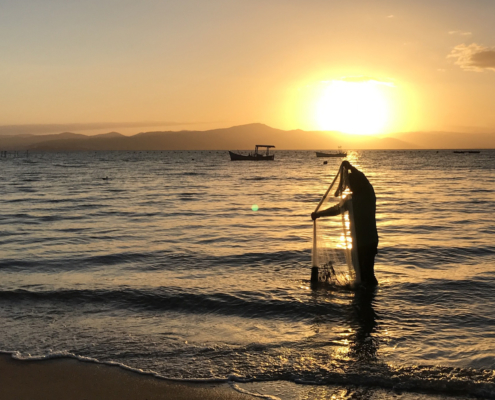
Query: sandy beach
x,y
70,379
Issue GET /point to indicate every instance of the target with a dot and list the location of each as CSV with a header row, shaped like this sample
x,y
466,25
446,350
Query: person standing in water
x,y
364,207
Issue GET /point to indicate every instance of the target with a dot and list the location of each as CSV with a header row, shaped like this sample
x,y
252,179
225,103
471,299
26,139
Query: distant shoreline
x,y
6,154
244,137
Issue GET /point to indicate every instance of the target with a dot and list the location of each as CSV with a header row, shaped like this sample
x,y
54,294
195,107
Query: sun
x,y
353,106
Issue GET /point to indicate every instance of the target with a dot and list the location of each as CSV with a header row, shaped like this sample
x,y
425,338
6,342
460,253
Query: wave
x,y
153,261
260,178
69,165
74,264
435,256
427,379
246,304
420,379
190,174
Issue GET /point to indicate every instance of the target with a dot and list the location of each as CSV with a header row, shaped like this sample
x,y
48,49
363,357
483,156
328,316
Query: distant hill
x,y
110,135
242,137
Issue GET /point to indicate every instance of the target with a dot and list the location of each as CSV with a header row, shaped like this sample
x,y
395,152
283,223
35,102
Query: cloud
x,y
474,57
391,16
461,33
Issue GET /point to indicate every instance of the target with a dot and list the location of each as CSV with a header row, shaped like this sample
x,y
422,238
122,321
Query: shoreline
x,y
72,379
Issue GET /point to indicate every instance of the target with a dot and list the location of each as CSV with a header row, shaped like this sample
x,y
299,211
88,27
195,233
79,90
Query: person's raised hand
x,y
314,216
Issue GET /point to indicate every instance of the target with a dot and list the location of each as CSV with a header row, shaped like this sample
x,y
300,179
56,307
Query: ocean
x,y
186,265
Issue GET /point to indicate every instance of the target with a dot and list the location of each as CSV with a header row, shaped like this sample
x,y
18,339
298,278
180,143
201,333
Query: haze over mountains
x,y
244,137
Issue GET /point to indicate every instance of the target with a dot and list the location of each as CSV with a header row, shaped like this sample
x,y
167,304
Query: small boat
x,y
256,156
339,153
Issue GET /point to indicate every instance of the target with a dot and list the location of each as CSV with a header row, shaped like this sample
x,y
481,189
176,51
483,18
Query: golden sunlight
x,y
354,106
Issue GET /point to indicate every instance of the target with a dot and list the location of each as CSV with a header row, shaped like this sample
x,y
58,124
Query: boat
x,y
256,156
339,153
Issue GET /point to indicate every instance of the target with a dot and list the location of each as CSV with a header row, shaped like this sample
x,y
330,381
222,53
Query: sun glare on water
x,y
355,107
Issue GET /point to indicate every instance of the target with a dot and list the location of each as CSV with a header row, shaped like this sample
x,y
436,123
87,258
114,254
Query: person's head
x,y
356,181
346,164
343,182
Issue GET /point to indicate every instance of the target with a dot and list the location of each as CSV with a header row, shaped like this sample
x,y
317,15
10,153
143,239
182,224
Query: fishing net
x,y
332,236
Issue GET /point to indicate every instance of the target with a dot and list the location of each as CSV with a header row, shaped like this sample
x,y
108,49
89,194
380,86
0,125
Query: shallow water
x,y
164,266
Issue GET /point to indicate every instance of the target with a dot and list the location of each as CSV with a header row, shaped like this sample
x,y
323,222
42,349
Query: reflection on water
x,y
360,335
365,339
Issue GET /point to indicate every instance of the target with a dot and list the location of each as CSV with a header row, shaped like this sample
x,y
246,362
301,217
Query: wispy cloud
x,y
474,57
391,16
461,33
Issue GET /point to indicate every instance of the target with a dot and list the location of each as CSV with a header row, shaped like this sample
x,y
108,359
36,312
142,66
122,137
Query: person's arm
x,y
329,212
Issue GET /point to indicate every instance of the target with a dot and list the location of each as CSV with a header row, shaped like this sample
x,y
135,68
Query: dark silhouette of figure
x,y
364,207
363,319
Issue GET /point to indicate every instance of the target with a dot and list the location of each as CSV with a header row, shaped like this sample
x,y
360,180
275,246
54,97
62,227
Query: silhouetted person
x,y
364,207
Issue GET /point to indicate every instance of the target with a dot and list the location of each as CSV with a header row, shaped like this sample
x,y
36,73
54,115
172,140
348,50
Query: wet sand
x,y
70,379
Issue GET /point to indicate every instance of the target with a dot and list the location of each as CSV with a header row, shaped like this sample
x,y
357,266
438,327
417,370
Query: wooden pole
x,y
325,195
314,257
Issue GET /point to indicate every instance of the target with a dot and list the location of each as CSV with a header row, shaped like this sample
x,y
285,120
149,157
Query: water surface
x,y
164,266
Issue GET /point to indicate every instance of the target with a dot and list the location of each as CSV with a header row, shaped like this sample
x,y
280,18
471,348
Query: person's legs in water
x,y
366,256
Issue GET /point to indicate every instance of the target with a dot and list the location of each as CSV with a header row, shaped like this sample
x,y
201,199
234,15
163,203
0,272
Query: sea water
x,y
190,266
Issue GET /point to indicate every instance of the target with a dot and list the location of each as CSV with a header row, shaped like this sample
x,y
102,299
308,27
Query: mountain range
x,y
244,137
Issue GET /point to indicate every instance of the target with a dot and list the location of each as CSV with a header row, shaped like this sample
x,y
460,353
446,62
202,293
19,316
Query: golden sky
x,y
359,66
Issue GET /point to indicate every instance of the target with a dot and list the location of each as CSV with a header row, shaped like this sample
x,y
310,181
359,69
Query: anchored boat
x,y
256,156
339,153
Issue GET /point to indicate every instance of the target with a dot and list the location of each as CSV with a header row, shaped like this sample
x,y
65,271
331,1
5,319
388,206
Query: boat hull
x,y
250,157
319,154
